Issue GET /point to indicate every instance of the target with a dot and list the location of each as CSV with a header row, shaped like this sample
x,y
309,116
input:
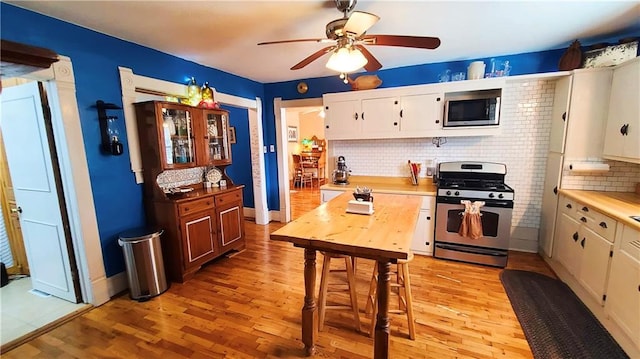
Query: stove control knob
x,y
500,195
448,193
491,195
457,193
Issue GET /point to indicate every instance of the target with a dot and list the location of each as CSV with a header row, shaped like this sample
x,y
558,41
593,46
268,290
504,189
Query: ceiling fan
x,y
347,36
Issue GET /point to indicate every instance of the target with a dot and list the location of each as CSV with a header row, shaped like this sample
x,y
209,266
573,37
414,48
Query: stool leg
x,y
402,293
322,297
372,290
409,299
352,292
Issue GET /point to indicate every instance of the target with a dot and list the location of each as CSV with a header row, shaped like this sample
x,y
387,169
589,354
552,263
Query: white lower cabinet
x,y
623,291
594,268
423,236
583,245
567,243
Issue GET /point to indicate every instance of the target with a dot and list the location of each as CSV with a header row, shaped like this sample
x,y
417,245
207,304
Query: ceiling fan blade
x,y
422,42
289,41
372,63
359,22
316,55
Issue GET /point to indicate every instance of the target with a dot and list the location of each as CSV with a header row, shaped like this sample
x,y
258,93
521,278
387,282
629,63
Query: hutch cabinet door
x,y
231,226
216,150
198,237
230,215
176,132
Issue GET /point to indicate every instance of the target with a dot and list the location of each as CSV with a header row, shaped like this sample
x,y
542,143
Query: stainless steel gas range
x,y
473,181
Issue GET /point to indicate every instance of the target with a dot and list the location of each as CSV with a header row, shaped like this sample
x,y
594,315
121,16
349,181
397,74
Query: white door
x,y
32,174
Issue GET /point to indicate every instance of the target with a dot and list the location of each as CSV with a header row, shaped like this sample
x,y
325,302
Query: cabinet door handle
x,y
622,130
555,190
355,116
569,205
327,126
586,209
575,236
16,210
583,219
603,224
428,218
363,116
582,242
395,124
564,116
401,113
626,129
437,121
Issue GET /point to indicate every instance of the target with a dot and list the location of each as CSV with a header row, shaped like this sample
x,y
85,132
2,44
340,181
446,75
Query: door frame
x,y
59,83
280,108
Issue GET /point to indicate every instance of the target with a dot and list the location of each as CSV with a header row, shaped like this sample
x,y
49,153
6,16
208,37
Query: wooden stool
x,y
324,289
405,301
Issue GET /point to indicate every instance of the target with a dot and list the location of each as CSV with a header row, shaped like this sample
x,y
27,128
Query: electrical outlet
x,y
272,148
264,149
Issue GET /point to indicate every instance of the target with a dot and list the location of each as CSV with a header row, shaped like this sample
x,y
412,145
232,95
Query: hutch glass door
x,y
177,135
218,137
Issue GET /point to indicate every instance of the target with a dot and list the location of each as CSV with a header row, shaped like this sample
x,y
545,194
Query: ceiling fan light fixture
x,y
346,60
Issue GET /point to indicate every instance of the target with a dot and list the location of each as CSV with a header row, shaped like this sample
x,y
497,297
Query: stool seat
x,y
405,300
324,288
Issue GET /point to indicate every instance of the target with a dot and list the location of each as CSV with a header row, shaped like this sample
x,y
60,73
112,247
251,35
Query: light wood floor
x,y
248,306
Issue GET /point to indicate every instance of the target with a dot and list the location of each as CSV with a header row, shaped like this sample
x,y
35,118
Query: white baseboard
x,y
524,239
249,212
117,283
99,291
274,216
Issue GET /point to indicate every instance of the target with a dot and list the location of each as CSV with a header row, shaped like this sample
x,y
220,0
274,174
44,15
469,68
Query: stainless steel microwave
x,y
477,108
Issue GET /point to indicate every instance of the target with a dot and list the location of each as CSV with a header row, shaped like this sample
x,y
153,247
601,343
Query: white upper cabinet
x,y
622,136
420,115
342,119
588,105
379,117
401,112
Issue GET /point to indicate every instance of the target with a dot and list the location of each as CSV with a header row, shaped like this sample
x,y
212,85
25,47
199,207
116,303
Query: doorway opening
x,y
297,122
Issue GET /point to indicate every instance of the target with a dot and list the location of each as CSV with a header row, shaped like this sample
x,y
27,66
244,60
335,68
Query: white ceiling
x,y
224,34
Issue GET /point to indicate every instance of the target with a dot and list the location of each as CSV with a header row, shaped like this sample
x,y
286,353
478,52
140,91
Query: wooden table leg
x,y
381,338
310,309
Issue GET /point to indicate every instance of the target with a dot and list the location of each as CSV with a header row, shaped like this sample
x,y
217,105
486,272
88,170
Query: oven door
x,y
496,224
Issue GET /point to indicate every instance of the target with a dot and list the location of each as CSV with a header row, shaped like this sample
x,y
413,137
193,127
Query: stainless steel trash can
x,y
143,258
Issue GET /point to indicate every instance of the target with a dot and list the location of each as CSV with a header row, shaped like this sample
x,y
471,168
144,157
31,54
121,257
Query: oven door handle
x,y
471,250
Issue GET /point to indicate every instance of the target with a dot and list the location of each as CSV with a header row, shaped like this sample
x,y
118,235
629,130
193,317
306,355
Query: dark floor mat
x,y
555,322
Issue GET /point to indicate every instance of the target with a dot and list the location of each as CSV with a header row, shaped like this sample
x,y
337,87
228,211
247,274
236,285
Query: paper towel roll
x,y
589,167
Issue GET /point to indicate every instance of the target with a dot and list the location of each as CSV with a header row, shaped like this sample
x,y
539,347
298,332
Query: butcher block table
x,y
384,236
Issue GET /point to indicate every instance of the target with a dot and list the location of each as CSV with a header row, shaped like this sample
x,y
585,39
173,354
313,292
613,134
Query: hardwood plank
x,y
248,306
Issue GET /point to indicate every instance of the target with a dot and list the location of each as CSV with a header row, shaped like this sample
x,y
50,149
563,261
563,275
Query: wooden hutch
x,y
199,223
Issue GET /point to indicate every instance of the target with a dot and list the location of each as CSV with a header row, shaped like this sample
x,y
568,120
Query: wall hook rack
x,y
108,129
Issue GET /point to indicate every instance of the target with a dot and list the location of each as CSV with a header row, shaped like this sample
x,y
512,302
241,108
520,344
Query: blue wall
x,y
96,58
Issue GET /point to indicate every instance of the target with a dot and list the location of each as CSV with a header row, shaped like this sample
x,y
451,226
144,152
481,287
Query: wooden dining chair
x,y
299,174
